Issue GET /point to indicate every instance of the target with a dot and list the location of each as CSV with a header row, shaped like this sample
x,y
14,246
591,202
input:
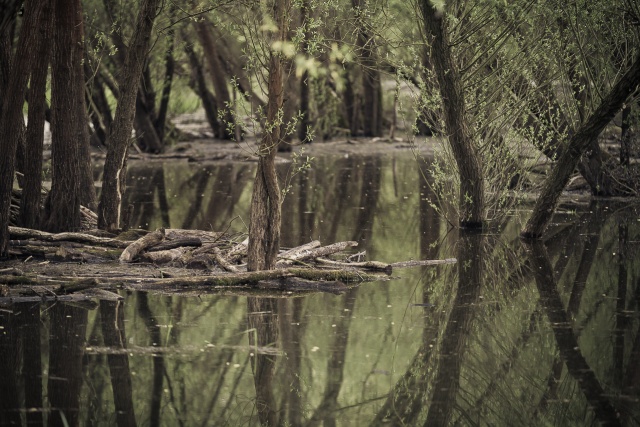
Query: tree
x,y
11,112
70,162
218,78
113,180
266,210
458,131
586,135
32,191
371,86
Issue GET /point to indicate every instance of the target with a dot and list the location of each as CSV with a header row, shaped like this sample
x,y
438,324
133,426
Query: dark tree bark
x,y
11,112
471,198
371,85
199,85
69,137
32,190
119,138
218,76
266,209
586,135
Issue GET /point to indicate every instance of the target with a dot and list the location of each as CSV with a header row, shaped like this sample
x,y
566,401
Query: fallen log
x,y
132,250
317,252
27,233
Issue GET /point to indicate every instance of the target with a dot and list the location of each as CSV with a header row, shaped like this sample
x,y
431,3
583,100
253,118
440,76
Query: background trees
x,y
505,90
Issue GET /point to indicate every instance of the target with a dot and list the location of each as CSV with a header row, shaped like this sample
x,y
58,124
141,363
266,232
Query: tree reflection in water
x,y
484,342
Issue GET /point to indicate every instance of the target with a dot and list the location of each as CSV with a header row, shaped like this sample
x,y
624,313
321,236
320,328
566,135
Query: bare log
x,y
426,262
204,236
222,262
177,243
164,257
294,251
132,251
27,233
317,252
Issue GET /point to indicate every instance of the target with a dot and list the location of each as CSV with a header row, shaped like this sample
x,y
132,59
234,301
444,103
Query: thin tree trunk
x,y
32,190
266,209
471,198
119,139
11,112
304,129
170,65
371,85
217,74
586,135
199,85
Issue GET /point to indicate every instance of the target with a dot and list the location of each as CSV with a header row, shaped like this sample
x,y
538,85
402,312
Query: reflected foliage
x,y
511,335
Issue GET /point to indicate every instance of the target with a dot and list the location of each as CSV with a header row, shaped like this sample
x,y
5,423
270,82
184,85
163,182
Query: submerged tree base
x,y
86,266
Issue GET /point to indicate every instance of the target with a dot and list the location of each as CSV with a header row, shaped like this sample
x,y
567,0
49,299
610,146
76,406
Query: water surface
x,y
514,334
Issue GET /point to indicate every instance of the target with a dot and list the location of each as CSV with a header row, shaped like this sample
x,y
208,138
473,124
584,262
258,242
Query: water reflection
x,y
511,335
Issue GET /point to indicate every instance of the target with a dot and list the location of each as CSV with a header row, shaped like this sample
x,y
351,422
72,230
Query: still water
x,y
514,334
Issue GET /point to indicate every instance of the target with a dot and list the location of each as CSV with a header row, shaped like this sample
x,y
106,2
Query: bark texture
x,y
119,138
266,210
11,113
68,126
585,137
471,199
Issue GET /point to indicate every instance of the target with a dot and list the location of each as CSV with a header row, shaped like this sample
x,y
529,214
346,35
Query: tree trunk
x,y
305,132
371,86
145,118
266,209
11,112
586,135
199,85
32,190
216,71
100,111
170,65
119,139
69,137
471,198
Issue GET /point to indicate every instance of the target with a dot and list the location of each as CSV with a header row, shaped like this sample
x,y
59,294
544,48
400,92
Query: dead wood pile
x,y
89,265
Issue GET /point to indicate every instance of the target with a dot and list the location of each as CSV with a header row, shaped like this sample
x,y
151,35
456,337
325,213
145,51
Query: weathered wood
x,y
204,236
222,262
132,251
426,262
177,243
27,233
294,251
317,252
164,257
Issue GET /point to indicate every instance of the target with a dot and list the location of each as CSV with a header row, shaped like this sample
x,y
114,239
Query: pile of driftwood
x,y
78,266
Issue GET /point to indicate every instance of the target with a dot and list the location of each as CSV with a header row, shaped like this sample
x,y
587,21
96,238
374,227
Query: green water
x,y
513,334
